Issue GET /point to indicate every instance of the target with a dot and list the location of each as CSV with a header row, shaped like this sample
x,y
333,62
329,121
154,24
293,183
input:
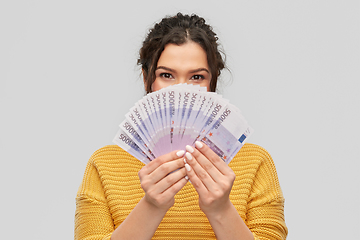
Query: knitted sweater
x,y
111,189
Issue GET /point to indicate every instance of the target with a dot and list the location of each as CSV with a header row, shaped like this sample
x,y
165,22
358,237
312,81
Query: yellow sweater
x,y
111,189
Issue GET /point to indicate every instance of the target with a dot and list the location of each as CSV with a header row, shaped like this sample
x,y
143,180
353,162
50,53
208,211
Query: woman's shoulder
x,y
114,155
109,150
253,149
251,154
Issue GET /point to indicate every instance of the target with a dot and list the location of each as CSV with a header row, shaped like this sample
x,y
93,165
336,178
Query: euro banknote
x,y
180,115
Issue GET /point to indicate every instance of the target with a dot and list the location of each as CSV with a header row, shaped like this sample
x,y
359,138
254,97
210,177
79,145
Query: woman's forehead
x,y
189,55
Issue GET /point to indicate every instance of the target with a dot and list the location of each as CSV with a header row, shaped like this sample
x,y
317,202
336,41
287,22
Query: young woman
x,y
121,198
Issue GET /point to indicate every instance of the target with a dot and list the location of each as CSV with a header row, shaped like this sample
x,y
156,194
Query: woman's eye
x,y
166,75
197,77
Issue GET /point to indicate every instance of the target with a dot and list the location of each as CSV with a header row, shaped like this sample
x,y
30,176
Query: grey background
x,y
68,75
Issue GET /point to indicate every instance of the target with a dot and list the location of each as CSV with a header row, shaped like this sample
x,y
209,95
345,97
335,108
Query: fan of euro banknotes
x,y
180,115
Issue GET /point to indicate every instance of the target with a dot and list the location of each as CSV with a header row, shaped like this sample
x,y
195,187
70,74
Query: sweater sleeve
x,y
265,215
92,216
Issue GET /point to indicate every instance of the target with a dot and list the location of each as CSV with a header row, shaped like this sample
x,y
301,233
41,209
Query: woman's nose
x,y
182,80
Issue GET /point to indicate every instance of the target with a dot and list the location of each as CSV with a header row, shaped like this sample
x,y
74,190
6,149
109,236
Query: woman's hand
x,y
211,177
160,182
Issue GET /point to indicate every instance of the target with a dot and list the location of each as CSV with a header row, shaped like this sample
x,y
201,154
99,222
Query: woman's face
x,y
186,63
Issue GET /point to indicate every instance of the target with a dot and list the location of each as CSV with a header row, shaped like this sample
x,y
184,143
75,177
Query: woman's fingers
x,y
166,169
200,178
208,173
163,159
170,180
162,178
213,157
204,165
194,173
175,180
163,165
163,172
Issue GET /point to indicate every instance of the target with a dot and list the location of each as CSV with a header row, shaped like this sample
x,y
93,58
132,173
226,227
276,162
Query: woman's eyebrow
x,y
192,71
199,70
165,68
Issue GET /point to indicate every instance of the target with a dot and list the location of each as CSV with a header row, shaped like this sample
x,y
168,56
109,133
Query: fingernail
x,y
189,148
185,161
180,153
188,156
198,144
187,178
188,168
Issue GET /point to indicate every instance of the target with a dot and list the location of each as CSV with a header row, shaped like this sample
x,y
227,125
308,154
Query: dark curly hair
x,y
178,30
